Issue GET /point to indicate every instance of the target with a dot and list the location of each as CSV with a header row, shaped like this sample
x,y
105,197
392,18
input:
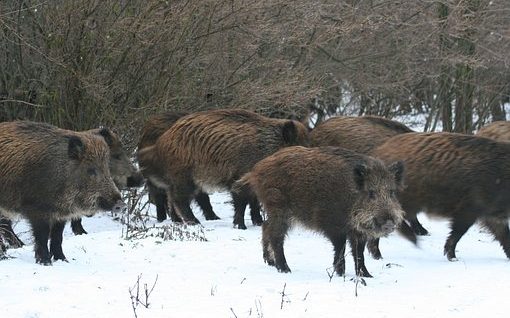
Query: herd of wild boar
x,y
352,179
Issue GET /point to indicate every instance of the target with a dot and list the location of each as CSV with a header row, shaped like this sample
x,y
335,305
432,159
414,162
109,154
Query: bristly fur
x,y
361,134
498,130
326,190
212,149
460,177
50,175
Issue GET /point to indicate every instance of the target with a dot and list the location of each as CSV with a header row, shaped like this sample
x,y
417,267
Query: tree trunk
x,y
444,98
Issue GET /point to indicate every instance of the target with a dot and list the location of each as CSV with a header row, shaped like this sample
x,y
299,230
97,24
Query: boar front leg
x,y
41,232
57,231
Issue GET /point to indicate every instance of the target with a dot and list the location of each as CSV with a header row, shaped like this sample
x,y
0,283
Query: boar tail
x,y
243,184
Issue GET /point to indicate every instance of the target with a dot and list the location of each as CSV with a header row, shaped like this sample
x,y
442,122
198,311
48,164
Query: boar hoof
x,y
269,261
60,257
374,250
376,253
240,226
45,262
78,229
450,253
421,231
80,232
212,217
283,269
257,222
365,273
192,222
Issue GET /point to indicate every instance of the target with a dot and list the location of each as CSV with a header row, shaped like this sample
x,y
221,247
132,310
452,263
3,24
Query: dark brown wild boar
x,y
50,175
153,128
460,177
212,149
360,134
498,130
334,191
124,174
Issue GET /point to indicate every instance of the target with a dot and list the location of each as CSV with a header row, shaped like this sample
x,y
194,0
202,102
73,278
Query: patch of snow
x,y
226,276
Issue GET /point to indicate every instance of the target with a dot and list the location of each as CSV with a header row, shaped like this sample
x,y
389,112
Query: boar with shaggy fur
x,y
460,177
334,191
360,134
212,149
50,175
124,174
153,128
498,130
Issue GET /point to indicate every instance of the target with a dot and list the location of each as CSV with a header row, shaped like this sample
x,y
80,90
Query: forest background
x,y
81,64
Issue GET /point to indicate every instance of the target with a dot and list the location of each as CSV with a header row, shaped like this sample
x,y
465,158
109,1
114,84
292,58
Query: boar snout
x,y
109,203
119,206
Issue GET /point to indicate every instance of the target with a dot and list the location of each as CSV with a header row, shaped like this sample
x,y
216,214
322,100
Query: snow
x,y
226,276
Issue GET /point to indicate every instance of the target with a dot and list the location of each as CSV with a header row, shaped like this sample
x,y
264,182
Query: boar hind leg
x,y
77,227
183,209
41,231
204,203
499,228
339,258
418,229
256,217
274,231
357,248
57,231
240,202
8,232
459,227
161,202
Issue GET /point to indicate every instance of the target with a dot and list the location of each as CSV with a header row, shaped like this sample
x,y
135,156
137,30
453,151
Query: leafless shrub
x,y
78,64
139,223
140,297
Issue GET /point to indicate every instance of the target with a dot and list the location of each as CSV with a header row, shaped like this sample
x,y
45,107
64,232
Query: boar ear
x,y
75,148
397,168
360,173
107,135
289,132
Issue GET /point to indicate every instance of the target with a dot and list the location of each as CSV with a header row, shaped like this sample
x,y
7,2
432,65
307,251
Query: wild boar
x,y
50,175
498,130
360,134
153,128
210,150
460,177
124,174
333,191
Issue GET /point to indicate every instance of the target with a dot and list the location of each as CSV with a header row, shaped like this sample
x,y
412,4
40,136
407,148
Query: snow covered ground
x,y
226,276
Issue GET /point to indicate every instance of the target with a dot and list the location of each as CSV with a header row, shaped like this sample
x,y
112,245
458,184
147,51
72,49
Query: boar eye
x,y
371,194
116,157
92,171
393,193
